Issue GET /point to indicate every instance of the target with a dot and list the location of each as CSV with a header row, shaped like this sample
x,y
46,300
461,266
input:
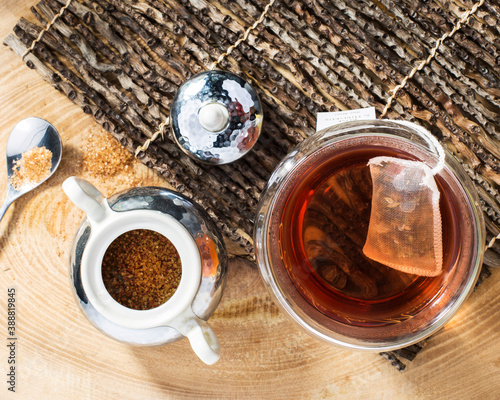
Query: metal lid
x,y
216,117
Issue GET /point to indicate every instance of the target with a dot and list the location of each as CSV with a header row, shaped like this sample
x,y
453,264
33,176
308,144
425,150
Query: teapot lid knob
x,y
213,117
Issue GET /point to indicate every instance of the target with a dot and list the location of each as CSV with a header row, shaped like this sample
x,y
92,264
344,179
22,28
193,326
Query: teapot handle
x,y
86,197
202,338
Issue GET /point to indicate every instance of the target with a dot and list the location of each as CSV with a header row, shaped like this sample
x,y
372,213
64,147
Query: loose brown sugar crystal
x,y
141,269
104,156
33,167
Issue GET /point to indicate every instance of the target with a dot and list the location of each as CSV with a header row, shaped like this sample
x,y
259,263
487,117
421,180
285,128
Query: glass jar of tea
x,y
318,211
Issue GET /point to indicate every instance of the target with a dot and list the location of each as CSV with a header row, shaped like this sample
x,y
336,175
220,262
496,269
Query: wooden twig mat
x,y
123,60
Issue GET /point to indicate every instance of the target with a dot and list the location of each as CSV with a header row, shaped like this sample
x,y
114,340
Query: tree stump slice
x,y
305,58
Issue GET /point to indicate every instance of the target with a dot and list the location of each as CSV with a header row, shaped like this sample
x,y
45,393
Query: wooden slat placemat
x,y
122,62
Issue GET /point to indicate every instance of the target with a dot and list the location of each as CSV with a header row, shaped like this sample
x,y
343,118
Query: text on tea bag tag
x,y
326,119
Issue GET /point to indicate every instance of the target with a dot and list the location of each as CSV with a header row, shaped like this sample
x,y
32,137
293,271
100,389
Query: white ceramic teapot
x,y
202,254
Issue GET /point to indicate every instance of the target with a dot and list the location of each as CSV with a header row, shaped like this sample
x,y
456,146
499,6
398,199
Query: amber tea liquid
x,y
323,228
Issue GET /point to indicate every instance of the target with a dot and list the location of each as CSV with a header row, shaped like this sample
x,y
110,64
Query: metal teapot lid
x,y
216,117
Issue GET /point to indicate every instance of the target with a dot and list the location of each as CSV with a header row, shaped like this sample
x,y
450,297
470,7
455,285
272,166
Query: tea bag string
x,y
431,140
164,125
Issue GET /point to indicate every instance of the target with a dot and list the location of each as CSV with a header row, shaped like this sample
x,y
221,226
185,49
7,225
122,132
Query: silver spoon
x,y
27,134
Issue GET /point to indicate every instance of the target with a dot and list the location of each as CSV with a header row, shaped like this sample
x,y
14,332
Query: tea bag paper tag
x,y
326,119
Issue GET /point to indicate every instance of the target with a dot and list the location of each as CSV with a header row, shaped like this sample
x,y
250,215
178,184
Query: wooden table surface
x,y
60,355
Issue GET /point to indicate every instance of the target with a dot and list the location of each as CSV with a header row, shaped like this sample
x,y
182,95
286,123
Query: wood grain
x,y
264,356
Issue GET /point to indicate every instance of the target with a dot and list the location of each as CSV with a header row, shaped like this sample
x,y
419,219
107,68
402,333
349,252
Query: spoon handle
x,y
11,196
5,206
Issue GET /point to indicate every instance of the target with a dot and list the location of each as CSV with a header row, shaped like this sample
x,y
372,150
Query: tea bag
x,y
405,231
